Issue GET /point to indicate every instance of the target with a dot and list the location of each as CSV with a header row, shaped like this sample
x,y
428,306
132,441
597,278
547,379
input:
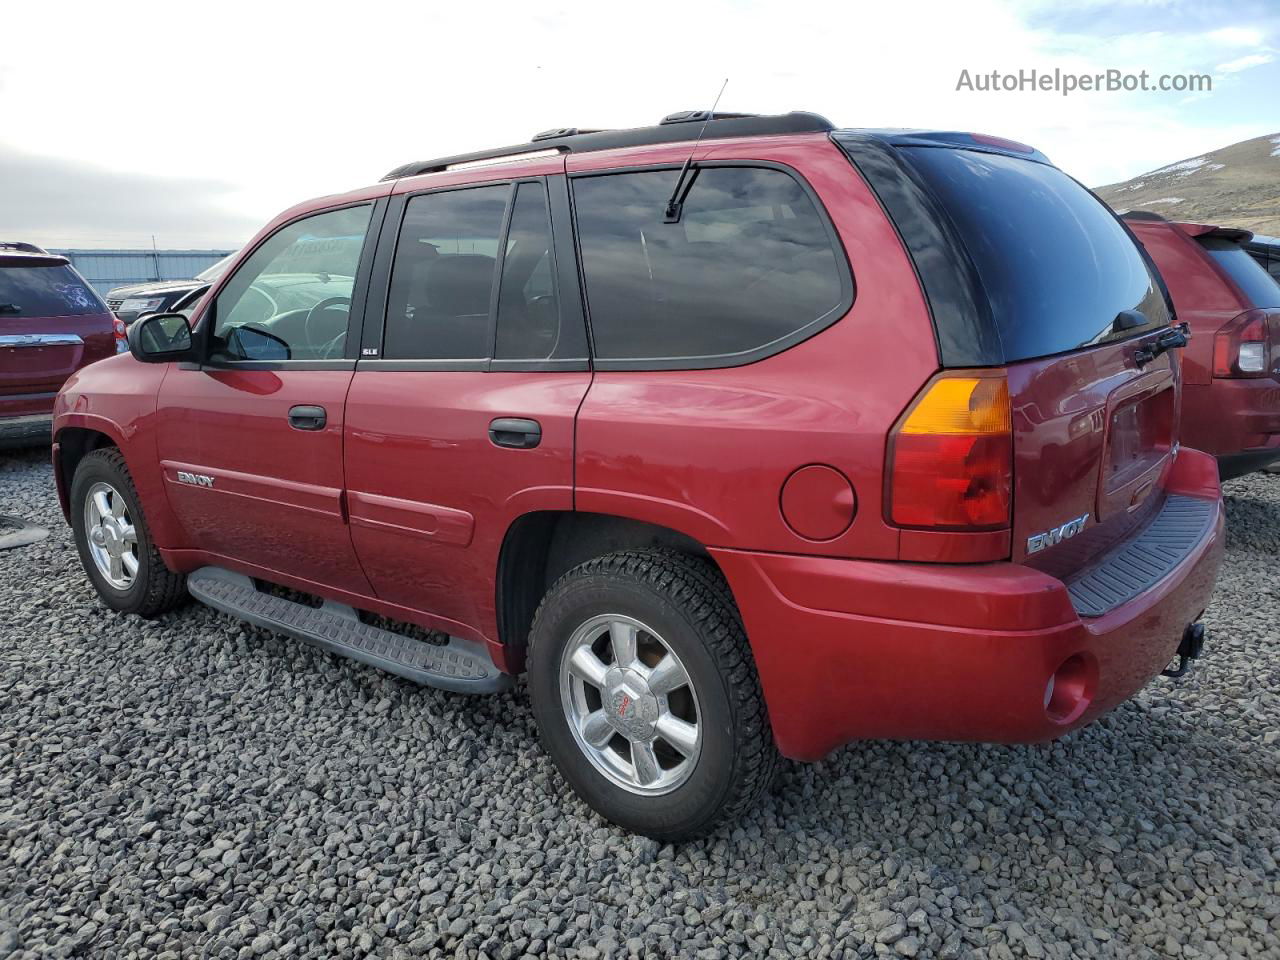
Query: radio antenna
x,y
676,203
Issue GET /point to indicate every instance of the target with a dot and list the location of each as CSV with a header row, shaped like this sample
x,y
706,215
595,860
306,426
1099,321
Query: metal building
x,y
105,269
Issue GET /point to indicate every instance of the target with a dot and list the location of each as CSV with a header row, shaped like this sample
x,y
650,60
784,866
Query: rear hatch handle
x,y
1175,338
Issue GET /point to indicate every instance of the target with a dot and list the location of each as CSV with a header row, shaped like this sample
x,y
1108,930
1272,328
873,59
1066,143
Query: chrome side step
x,y
460,665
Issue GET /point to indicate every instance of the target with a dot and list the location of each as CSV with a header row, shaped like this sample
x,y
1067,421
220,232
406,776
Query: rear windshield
x,y
1254,282
1057,268
46,291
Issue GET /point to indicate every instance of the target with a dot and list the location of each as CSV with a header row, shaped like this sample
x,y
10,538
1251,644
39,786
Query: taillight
x,y
121,334
1244,346
951,457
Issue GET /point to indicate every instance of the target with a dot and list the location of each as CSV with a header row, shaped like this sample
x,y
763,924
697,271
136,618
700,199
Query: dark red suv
x,y
51,324
1231,368
741,447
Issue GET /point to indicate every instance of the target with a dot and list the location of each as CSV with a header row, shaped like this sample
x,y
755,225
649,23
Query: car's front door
x,y
465,420
250,440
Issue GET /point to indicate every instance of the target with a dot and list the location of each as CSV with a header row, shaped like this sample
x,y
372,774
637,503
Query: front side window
x,y
291,299
37,289
749,266
438,303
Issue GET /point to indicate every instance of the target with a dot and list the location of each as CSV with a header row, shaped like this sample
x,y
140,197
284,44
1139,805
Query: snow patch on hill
x,y
1184,168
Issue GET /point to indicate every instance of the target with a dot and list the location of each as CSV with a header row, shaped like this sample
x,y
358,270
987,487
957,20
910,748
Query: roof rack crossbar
x,y
573,140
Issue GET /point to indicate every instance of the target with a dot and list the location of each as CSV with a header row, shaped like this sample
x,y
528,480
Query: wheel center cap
x,y
629,705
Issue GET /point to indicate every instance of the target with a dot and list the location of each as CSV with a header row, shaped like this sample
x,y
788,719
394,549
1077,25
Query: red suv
x,y
51,324
1231,369
742,446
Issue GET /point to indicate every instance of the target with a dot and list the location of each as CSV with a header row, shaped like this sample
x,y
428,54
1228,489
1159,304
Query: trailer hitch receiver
x,y
1189,649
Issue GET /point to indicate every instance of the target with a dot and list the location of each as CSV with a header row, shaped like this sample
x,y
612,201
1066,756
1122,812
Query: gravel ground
x,y
196,788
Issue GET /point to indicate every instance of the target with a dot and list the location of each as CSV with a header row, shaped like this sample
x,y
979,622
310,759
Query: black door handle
x,y
515,432
306,417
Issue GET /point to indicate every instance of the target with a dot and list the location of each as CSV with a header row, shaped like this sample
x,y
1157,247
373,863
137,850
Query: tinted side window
x,y
1253,281
55,290
750,263
438,305
291,298
528,308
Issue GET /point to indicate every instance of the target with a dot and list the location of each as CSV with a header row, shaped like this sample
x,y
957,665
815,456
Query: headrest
x,y
459,285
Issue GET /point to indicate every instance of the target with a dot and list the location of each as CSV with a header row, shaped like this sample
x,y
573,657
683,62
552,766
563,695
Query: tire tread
x,y
694,585
165,589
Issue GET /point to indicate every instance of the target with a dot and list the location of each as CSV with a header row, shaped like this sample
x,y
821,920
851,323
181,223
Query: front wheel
x,y
114,543
646,695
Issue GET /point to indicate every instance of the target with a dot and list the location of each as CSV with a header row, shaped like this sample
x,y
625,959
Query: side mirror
x,y
161,338
254,343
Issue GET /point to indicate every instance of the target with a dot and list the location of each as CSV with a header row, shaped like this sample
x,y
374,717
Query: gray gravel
x,y
196,788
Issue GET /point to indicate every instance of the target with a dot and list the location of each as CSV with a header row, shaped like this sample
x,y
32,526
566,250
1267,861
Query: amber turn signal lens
x,y
951,459
961,405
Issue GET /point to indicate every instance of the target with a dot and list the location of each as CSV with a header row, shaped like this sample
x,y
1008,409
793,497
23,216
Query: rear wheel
x,y
646,695
114,543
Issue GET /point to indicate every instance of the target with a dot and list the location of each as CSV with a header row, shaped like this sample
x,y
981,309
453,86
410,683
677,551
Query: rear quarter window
x,y
1259,287
46,291
751,267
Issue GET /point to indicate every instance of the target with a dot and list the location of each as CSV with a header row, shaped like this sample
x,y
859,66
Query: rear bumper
x,y
1249,461
25,430
1238,421
851,650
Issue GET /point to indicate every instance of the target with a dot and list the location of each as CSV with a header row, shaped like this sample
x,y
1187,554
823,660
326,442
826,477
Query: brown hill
x,y
1237,186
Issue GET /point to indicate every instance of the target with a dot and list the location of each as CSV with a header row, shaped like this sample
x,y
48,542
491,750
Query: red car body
x,y
777,469
51,325
1224,296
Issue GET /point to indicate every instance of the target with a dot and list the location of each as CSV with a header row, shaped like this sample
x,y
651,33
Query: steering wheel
x,y
332,349
319,308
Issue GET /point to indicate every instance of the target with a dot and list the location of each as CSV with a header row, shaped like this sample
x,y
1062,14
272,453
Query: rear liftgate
x,y
459,665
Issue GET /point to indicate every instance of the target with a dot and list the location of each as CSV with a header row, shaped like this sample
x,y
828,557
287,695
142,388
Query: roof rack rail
x,y
693,116
673,129
555,133
21,246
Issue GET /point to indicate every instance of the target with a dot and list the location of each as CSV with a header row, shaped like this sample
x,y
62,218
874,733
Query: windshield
x,y
1254,282
53,290
211,273
1058,270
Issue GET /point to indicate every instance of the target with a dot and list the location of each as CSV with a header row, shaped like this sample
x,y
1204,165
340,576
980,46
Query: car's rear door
x,y
51,324
461,413
250,441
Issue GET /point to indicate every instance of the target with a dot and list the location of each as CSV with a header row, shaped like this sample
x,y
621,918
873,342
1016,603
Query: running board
x,y
460,665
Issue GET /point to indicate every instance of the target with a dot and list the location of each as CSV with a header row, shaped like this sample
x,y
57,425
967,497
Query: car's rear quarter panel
x,y
706,452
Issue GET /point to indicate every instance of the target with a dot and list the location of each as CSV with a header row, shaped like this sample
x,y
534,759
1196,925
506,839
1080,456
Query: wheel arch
x,y
540,546
70,446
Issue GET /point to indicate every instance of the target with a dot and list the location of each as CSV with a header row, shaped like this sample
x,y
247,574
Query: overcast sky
x,y
196,123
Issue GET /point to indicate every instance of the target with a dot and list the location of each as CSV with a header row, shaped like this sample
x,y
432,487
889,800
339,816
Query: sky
x,y
196,123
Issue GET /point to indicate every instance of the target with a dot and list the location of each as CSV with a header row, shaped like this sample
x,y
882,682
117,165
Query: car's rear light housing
x,y
121,334
1246,346
950,460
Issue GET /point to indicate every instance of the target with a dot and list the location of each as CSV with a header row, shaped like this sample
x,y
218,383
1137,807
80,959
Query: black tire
x,y
155,588
686,600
